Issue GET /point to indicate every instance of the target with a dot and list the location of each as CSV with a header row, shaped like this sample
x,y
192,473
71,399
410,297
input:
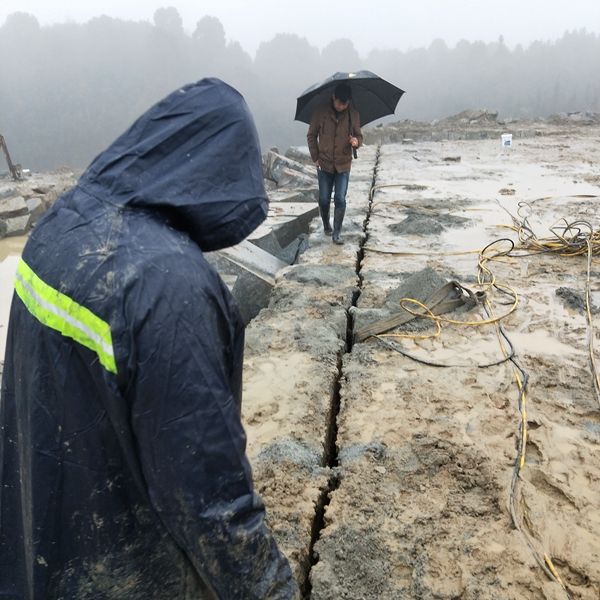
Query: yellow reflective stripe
x,y
63,314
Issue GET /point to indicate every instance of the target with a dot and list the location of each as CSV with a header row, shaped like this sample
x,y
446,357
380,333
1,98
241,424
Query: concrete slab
x,y
310,194
16,225
294,210
293,349
12,207
286,222
248,258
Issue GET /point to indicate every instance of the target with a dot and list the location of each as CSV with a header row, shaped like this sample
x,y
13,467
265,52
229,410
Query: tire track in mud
x,y
330,445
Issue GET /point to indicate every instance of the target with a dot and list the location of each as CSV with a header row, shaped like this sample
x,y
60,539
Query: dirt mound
x,y
427,223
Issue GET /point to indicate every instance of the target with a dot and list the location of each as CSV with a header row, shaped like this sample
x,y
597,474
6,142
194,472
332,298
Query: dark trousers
x,y
329,182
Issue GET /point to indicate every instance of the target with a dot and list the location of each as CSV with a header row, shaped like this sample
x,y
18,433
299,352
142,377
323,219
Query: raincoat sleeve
x,y
191,444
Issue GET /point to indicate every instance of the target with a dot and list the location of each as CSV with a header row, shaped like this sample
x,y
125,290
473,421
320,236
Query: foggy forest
x,y
67,90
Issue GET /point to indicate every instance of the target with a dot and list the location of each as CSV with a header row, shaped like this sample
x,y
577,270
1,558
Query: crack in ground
x,y
330,458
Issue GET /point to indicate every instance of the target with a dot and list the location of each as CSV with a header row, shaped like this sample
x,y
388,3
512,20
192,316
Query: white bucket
x,y
506,140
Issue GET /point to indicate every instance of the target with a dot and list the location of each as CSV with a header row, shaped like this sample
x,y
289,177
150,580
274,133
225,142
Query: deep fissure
x,y
330,457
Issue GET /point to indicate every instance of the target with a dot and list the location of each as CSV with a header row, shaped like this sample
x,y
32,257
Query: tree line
x,y
67,90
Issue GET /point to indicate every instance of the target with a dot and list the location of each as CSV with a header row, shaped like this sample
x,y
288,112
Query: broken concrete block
x,y
246,257
288,254
290,220
275,164
310,194
16,225
286,221
12,207
291,178
291,252
274,160
295,210
269,243
255,269
287,230
36,208
7,192
43,189
251,294
299,154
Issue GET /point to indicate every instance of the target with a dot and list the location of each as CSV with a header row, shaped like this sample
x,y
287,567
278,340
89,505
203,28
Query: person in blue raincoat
x,y
123,471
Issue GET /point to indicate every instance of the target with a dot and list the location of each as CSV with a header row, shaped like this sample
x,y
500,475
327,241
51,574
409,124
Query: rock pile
x,y
290,177
470,117
474,125
23,203
575,118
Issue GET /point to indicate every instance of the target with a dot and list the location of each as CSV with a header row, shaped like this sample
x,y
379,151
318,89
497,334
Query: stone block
x,y
287,177
280,168
251,294
310,194
8,191
12,207
16,225
299,154
247,257
36,208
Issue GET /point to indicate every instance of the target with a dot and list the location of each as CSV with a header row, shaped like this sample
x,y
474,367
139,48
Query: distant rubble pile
x,y
469,117
585,118
475,125
22,203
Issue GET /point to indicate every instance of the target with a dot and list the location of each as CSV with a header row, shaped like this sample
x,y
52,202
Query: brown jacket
x,y
328,137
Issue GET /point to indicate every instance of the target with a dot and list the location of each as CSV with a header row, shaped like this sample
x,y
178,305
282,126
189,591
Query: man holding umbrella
x,y
332,108
333,133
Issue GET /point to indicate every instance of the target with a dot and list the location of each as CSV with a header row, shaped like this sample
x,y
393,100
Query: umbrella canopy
x,y
372,96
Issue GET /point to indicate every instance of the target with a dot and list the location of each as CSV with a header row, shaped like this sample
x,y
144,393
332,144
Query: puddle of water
x,y
10,251
487,224
541,342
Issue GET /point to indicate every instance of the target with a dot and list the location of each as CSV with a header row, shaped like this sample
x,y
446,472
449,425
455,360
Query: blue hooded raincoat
x,y
123,471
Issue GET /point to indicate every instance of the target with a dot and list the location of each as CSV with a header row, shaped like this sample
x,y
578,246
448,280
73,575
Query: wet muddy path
x,y
388,478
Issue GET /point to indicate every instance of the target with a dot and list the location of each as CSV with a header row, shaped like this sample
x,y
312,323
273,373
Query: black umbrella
x,y
372,96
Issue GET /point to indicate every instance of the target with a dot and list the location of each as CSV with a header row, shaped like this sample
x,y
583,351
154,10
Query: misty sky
x,y
369,23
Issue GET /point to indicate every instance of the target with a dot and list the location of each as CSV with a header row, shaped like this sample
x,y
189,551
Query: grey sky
x,y
369,23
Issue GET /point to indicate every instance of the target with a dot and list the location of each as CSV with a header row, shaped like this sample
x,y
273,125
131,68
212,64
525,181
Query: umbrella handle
x,y
350,133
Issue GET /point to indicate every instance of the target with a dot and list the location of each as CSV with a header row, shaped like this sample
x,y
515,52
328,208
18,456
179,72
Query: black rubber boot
x,y
325,217
338,218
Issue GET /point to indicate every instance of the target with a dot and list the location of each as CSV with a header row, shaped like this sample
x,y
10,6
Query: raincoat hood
x,y
195,157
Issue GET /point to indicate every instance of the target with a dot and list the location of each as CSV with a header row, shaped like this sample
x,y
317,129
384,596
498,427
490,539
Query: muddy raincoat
x,y
123,471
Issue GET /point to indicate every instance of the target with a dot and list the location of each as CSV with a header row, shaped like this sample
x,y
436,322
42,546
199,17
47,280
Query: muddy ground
x,y
387,478
411,464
